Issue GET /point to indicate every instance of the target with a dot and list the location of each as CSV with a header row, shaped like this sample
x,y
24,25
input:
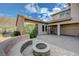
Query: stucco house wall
x,y
68,25
75,11
40,29
70,29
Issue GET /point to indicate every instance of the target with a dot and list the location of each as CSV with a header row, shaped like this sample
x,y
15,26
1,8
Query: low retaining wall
x,y
25,45
19,47
9,43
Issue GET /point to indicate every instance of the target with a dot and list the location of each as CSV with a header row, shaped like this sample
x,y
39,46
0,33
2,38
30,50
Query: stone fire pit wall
x,y
41,49
25,45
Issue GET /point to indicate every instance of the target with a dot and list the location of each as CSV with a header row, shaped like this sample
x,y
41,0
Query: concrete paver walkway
x,y
66,42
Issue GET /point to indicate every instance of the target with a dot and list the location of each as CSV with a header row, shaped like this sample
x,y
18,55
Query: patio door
x,y
53,29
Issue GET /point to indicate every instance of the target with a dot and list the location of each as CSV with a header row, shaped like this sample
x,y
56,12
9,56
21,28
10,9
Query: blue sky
x,y
40,11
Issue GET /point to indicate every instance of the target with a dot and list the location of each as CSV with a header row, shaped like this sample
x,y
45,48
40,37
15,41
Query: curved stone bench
x,y
19,47
25,45
9,43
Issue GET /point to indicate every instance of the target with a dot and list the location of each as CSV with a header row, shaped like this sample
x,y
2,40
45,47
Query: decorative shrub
x,y
28,28
16,33
4,32
34,33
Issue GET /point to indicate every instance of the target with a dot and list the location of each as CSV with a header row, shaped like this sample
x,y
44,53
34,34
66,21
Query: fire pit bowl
x,y
41,49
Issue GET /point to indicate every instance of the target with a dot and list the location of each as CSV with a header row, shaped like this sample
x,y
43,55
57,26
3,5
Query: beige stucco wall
x,y
74,15
73,25
56,17
21,21
40,29
75,11
70,29
67,29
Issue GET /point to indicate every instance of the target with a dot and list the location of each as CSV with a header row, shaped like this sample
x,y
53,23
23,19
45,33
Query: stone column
x,y
20,24
48,30
58,29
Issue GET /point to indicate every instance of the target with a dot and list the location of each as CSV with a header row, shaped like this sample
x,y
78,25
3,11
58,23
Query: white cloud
x,y
56,9
65,5
59,7
39,16
46,14
34,8
31,7
62,5
49,13
44,10
46,17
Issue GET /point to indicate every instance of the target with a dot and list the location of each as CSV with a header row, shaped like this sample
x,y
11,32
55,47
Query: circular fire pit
x,y
41,49
41,46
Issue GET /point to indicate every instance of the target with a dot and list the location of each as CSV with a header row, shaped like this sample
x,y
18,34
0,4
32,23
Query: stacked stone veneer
x,y
42,50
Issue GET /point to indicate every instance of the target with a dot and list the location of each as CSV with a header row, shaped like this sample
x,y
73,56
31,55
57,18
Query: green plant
x,y
16,33
4,31
34,33
28,28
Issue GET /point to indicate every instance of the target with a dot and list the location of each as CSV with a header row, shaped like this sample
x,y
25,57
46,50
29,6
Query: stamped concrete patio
x,y
59,45
66,42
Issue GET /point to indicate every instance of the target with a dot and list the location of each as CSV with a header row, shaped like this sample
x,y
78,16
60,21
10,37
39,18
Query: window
x,y
46,28
43,28
67,13
61,14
